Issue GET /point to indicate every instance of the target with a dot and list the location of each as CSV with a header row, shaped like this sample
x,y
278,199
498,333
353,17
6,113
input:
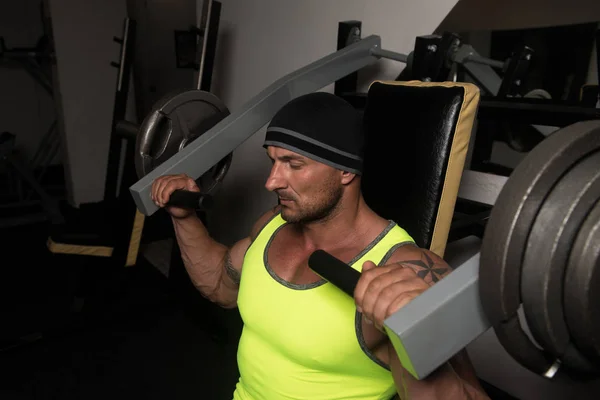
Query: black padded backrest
x,y
417,137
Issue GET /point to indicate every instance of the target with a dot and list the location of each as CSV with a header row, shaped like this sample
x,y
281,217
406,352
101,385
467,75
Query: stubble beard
x,y
316,213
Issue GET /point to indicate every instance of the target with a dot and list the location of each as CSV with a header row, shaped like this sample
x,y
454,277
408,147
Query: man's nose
x,y
275,180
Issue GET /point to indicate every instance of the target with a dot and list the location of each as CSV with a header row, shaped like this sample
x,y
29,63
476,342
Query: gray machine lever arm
x,y
203,153
451,306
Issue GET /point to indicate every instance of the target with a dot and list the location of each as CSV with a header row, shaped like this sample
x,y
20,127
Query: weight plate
x,y
174,122
510,222
582,288
548,247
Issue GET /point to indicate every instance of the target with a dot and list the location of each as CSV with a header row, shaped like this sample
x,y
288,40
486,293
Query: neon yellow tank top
x,y
305,341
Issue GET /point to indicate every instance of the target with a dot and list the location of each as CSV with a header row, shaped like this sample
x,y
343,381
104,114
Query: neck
x,y
341,228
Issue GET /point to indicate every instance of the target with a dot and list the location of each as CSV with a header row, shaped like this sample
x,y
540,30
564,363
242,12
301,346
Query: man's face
x,y
308,191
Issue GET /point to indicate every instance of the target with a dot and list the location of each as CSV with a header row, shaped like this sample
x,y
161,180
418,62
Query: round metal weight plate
x,y
174,122
582,288
546,255
510,222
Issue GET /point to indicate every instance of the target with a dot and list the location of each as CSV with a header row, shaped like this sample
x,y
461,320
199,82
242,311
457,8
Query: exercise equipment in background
x,y
509,111
113,228
110,228
35,60
174,122
200,58
90,244
26,200
29,195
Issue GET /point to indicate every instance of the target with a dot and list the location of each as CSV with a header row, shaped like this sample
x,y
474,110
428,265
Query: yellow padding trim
x,y
456,161
136,238
104,251
64,248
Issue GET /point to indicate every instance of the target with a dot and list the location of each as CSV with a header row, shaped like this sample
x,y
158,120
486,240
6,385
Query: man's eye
x,y
295,165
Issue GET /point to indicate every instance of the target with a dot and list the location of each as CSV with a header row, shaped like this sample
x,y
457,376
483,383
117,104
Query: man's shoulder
x,y
263,220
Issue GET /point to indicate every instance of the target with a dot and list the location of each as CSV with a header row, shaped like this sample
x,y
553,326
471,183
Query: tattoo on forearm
x,y
233,273
426,268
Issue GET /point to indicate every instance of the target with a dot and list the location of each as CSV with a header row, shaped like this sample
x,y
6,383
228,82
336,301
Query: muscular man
x,y
303,338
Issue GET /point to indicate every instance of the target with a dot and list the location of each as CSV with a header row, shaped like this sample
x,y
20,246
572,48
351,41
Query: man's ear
x,y
347,177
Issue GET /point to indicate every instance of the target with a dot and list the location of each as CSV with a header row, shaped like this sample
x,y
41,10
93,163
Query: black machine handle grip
x,y
190,200
334,270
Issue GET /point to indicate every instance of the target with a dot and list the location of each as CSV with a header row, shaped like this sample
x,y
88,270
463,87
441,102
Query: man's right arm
x,y
214,268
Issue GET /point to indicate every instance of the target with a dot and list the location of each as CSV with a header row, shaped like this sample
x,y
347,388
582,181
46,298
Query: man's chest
x,y
301,297
287,257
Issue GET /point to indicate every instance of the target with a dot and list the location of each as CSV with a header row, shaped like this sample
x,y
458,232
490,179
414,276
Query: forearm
x,y
204,260
444,383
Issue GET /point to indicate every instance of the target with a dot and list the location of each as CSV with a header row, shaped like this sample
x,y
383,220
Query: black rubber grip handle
x,y
191,200
334,270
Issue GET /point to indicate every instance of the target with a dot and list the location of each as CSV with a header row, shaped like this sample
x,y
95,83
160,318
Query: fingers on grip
x,y
164,186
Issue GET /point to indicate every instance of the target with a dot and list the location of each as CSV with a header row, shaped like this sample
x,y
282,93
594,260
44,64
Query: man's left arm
x,y
383,290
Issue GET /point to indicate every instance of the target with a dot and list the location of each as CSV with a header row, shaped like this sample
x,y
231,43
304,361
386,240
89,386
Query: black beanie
x,y
321,126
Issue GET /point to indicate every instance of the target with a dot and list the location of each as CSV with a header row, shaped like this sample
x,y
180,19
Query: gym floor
x,y
77,328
